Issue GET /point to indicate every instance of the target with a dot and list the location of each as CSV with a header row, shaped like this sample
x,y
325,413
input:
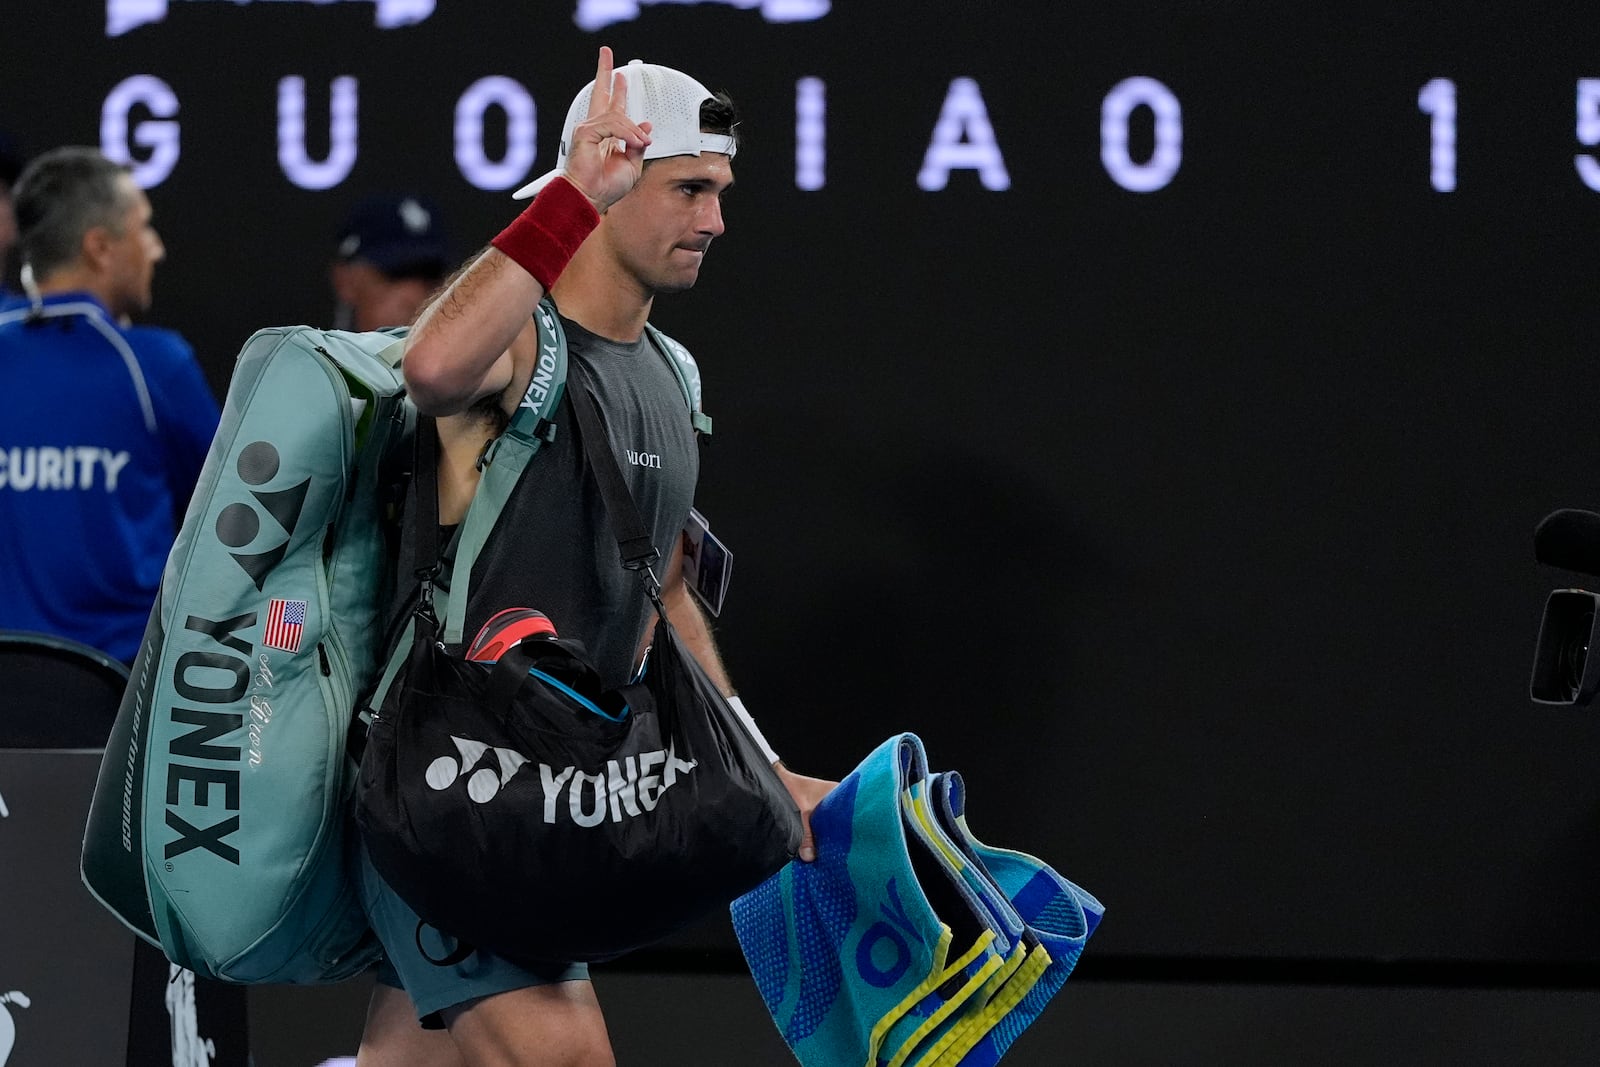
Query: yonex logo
x,y
623,789
218,675
544,374
125,15
598,14
239,524
484,782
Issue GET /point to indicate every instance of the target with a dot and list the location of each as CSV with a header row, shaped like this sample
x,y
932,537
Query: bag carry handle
x,y
505,681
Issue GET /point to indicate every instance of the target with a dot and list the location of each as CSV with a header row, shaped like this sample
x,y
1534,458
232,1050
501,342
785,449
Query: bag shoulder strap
x,y
507,457
688,372
632,535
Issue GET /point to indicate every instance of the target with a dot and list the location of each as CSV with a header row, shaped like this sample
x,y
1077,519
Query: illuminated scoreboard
x,y
962,137
140,121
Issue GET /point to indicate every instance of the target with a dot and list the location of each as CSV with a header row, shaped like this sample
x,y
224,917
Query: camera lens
x,y
1562,673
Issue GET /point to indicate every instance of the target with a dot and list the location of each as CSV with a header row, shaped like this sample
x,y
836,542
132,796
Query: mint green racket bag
x,y
218,821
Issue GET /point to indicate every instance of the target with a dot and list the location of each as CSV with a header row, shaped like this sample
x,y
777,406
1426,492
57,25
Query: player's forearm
x,y
460,335
690,622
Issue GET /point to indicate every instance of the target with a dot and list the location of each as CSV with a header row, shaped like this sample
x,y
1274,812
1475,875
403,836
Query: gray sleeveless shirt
x,y
552,548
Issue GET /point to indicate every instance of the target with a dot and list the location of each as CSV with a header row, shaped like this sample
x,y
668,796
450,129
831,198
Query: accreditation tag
x,y
707,562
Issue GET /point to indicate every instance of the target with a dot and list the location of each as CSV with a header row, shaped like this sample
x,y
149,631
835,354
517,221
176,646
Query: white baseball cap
x,y
667,99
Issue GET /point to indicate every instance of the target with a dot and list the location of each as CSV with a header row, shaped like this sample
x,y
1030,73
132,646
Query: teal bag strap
x,y
396,350
688,372
507,457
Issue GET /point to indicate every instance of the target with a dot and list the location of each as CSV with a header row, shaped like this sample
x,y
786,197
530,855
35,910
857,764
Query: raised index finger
x,y
600,98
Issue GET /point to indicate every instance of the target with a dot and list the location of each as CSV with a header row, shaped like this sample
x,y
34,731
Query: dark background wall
x,y
1192,525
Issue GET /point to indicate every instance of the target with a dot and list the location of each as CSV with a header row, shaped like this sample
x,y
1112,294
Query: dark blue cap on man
x,y
400,235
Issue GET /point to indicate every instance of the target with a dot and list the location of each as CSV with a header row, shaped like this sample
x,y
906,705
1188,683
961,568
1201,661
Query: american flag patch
x,y
286,621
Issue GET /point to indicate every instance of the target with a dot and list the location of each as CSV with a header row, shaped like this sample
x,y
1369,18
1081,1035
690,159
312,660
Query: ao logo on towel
x,y
884,952
238,525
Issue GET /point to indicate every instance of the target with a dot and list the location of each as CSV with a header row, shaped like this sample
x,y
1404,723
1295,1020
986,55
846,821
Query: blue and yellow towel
x,y
908,942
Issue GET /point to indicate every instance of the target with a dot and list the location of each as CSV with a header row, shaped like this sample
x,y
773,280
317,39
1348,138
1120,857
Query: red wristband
x,y
544,237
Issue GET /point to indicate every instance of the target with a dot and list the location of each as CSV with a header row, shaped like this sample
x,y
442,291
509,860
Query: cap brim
x,y
533,187
401,257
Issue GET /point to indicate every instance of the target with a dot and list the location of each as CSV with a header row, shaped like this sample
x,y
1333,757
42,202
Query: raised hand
x,y
606,156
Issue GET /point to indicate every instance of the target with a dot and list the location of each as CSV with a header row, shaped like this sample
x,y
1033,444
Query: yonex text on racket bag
x,y
217,824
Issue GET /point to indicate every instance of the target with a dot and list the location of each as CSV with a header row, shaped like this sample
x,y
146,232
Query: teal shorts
x,y
433,988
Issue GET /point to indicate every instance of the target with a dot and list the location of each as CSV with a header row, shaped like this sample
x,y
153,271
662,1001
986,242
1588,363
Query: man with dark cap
x,y
391,255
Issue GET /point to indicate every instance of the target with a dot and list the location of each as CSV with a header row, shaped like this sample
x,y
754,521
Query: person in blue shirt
x,y
104,426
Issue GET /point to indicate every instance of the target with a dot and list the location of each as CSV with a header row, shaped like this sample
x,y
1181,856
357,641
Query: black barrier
x,y
76,987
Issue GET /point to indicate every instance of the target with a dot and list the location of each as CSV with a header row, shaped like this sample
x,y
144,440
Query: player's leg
x,y
394,1038
498,1012
555,1025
